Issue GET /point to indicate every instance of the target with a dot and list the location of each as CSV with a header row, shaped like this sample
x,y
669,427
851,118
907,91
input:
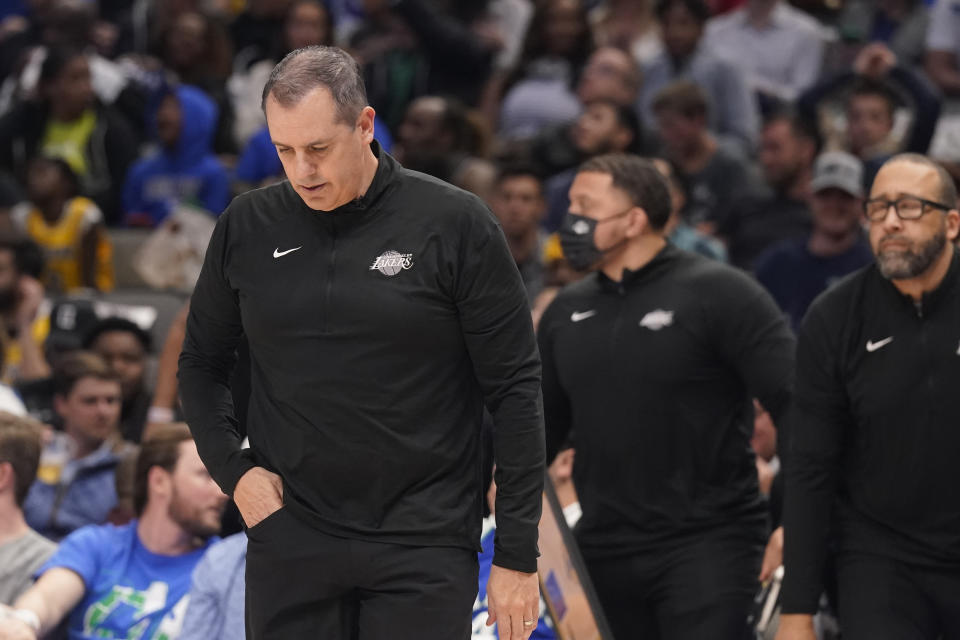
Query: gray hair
x,y
303,70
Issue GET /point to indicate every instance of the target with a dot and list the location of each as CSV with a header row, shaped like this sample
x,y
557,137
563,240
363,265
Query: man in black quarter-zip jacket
x,y
383,311
875,431
650,365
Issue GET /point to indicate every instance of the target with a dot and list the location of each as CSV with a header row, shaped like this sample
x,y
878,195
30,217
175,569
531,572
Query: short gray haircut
x,y
303,70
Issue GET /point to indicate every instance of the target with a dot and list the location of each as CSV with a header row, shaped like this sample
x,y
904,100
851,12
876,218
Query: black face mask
x,y
578,240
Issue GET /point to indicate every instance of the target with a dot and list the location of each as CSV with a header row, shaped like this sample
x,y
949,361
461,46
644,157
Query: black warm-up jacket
x,y
378,331
875,431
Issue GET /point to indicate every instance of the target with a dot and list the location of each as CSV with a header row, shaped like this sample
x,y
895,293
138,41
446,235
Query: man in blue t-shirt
x,y
797,270
130,581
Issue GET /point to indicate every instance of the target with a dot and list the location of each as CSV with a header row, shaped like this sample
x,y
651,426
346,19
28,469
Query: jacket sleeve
x,y
817,423
754,336
498,333
556,404
206,362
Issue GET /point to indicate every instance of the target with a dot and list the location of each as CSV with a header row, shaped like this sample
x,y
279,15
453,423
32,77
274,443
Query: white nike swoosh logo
x,y
577,316
279,254
873,346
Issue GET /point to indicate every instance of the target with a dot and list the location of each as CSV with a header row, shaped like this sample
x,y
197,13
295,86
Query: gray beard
x,y
903,265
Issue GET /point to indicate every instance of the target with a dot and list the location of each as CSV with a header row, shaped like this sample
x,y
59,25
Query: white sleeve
x,y
943,33
18,215
91,216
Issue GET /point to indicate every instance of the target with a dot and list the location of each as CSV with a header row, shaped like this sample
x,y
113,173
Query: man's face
x,y
44,180
678,132
681,31
593,195
186,40
321,155
126,356
597,130
91,411
836,212
422,128
518,204
563,27
869,122
196,502
169,121
72,90
608,75
781,155
907,248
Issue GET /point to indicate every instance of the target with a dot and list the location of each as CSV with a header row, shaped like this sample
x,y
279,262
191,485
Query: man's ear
x,y
638,222
365,124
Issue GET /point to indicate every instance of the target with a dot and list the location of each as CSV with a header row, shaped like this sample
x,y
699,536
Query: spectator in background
x,y
22,550
678,232
540,92
132,581
23,329
67,227
757,221
411,48
778,48
437,136
195,48
942,58
714,172
124,346
798,270
217,592
629,25
184,170
899,24
609,75
519,205
78,485
307,22
875,87
603,127
71,25
67,121
733,113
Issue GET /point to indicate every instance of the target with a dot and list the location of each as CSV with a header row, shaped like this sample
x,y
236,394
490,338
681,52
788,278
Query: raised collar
x,y
632,278
369,202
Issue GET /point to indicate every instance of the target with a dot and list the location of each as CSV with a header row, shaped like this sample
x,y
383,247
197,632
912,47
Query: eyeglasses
x,y
906,207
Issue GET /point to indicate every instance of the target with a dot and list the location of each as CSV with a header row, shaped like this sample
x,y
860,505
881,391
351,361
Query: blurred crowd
x,y
127,125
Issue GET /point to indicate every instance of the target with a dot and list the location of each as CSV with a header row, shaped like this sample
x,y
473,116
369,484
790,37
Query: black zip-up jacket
x,y
377,332
875,431
653,377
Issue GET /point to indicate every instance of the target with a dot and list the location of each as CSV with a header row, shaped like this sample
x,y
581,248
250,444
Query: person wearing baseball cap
x,y
797,270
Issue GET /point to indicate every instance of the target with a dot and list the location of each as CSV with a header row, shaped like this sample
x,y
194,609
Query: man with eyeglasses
x,y
875,430
649,365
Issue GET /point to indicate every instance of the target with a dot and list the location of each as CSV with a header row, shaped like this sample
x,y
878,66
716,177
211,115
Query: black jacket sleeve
x,y
753,335
556,404
498,333
206,363
817,423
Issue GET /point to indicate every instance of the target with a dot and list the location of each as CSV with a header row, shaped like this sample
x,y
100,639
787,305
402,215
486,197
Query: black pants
x,y
305,584
883,598
697,590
